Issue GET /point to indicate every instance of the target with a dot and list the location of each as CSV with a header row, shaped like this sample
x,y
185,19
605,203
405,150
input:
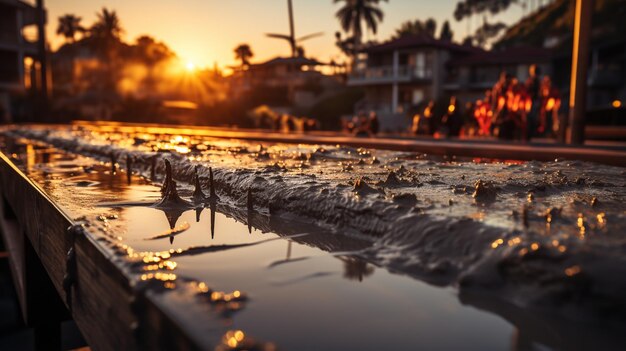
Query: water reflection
x,y
356,269
238,340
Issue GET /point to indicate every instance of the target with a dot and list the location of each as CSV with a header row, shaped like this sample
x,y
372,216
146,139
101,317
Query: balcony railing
x,y
387,74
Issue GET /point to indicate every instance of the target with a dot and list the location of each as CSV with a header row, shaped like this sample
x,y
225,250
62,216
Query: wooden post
x,y
580,61
44,309
43,60
292,34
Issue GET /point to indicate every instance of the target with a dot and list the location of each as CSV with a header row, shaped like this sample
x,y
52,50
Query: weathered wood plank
x,y
103,305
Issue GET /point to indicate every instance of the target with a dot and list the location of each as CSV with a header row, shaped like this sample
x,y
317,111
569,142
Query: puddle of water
x,y
307,299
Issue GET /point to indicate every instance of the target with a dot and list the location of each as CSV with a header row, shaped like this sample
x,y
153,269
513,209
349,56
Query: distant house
x,y
469,76
16,46
403,73
298,80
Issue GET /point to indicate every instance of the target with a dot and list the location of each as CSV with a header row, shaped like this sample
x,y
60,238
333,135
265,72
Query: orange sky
x,y
206,31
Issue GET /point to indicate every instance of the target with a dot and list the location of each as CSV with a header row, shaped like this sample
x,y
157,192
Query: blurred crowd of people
x,y
266,118
511,110
362,124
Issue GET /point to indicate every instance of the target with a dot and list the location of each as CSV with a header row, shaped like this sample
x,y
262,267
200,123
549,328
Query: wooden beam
x,y
111,312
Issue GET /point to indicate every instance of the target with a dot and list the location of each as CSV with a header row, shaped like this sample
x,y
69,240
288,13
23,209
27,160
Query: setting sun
x,y
190,66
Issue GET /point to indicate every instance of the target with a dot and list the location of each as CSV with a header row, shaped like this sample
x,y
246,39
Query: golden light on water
x,y
497,243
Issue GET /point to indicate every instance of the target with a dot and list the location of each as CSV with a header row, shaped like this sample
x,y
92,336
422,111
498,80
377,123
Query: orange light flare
x,y
616,104
190,82
501,102
550,104
529,105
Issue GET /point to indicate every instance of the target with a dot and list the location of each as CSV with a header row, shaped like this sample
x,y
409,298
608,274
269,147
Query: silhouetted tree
x,y
430,26
446,33
105,36
417,27
69,26
488,31
468,8
354,13
243,53
149,51
356,269
107,25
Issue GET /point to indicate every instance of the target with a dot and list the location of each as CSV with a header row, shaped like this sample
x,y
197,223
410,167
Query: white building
x,y
403,73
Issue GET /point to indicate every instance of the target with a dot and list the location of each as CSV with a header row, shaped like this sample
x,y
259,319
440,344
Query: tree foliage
x,y
446,32
468,8
417,28
354,13
243,53
487,32
107,25
69,26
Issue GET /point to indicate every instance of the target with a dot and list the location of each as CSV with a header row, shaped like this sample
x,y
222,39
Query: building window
x,y
420,65
418,96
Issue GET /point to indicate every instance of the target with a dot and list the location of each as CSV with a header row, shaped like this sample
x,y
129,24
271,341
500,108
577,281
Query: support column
x,y
580,62
43,58
394,88
394,98
20,49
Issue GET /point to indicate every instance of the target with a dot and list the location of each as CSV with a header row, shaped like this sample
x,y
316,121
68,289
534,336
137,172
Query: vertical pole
x,y
41,45
44,311
292,33
580,61
394,88
20,52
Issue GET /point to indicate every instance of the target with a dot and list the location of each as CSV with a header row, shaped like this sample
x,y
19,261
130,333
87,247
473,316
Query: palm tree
x,y
105,34
69,26
243,53
354,12
107,25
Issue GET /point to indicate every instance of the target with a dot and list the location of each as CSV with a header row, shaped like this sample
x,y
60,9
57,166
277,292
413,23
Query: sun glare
x,y
190,66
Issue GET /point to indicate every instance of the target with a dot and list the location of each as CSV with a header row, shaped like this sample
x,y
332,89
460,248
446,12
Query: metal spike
x,y
211,184
250,203
113,163
153,162
168,177
129,168
198,195
212,207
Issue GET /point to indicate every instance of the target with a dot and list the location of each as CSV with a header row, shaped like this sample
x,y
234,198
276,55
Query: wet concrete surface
x,y
532,243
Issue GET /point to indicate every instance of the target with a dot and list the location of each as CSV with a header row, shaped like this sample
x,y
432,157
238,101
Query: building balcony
x,y
389,75
13,43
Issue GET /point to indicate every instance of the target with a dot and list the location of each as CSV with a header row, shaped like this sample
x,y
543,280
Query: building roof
x,y
292,61
514,55
415,41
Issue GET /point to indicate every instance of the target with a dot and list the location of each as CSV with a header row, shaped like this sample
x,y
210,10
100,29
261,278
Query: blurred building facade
x,y
18,51
403,73
300,80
